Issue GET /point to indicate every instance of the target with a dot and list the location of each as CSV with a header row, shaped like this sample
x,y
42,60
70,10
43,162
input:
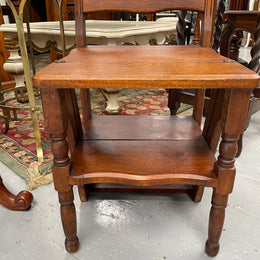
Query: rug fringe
x,y
35,179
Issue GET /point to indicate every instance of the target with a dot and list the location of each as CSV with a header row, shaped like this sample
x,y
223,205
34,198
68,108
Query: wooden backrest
x,y
145,6
206,7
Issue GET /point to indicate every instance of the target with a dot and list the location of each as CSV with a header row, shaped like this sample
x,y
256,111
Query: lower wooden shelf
x,y
143,151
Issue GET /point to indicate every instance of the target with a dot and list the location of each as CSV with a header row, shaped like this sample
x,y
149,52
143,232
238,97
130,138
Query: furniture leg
x,y
86,106
74,129
226,171
61,171
58,118
21,202
240,145
216,221
212,128
233,122
14,66
83,192
197,193
112,107
68,217
6,120
198,105
173,102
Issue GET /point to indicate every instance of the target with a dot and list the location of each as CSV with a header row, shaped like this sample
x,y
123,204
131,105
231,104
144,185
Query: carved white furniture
x,y
46,35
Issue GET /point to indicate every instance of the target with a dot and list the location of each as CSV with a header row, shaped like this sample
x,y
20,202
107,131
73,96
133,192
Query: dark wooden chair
x,y
244,21
138,150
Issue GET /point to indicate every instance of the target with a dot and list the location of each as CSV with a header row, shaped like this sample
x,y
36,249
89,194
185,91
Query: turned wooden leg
x,y
68,217
232,123
21,202
216,221
61,114
83,192
226,174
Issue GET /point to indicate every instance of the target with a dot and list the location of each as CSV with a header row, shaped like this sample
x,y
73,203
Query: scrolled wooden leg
x,y
68,217
216,221
21,202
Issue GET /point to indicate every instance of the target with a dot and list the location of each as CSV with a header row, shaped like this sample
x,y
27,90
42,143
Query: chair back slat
x,y
142,6
206,7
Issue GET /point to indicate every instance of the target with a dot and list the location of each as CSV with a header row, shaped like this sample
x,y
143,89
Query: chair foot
x,y
212,250
69,221
216,221
72,246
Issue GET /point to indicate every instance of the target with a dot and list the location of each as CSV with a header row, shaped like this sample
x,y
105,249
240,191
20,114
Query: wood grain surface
x,y
143,163
145,67
141,128
147,6
135,151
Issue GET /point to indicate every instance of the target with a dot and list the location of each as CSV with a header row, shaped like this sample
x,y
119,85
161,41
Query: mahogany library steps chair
x,y
142,151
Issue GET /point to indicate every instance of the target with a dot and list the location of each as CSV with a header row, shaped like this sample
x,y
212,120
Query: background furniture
x,y
22,201
46,35
237,22
142,151
20,79
176,97
6,78
249,21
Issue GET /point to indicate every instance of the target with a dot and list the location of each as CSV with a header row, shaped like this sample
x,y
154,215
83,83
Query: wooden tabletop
x,y
145,67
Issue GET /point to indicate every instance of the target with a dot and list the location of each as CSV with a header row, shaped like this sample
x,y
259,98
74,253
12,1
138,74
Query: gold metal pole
x,y
27,20
27,74
62,34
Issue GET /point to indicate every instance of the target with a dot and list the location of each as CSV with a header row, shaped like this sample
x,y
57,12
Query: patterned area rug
x,y
18,149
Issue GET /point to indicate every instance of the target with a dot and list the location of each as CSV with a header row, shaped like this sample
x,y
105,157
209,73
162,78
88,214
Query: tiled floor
x,y
134,226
